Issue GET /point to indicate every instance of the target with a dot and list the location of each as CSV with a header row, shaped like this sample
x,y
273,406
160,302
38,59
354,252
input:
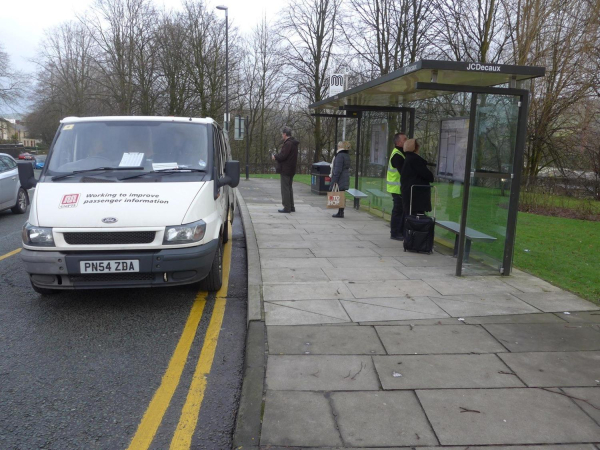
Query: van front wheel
x,y
214,279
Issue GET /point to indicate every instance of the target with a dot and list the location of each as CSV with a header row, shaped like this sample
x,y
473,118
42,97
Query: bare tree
x,y
66,70
264,86
171,55
387,34
206,58
13,84
564,42
469,30
120,31
310,30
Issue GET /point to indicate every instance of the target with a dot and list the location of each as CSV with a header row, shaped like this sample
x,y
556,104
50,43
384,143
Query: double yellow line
x,y
188,420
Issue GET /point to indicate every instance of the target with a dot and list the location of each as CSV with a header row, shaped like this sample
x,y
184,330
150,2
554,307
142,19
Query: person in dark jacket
x,y
340,171
415,173
286,167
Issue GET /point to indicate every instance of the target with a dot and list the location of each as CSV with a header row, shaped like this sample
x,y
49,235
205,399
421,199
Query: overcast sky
x,y
22,22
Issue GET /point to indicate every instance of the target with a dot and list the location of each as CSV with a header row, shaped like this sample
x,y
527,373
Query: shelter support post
x,y
357,162
515,189
411,126
466,187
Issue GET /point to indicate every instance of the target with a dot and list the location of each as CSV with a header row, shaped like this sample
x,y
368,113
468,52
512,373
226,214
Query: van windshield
x,y
155,146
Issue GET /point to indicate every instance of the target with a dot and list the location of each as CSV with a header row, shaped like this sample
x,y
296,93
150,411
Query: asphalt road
x,y
80,369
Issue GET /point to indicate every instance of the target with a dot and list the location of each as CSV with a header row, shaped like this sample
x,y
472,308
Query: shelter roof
x,y
399,87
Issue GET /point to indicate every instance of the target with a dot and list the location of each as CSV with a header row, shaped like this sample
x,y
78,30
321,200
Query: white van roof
x,y
137,119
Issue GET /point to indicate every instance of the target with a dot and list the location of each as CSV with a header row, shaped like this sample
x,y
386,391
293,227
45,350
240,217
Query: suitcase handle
x,y
434,196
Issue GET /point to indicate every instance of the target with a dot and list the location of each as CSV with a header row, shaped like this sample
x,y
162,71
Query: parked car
x,y
40,160
12,195
131,202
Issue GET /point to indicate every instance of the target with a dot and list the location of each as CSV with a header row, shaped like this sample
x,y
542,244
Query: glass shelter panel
x,y
491,178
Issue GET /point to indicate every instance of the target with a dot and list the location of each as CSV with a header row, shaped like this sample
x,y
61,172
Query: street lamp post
x,y
224,8
247,136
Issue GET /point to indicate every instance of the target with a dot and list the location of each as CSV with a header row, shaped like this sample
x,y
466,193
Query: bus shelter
x,y
479,155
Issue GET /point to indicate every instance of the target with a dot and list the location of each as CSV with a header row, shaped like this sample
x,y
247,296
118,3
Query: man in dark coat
x,y
415,173
286,167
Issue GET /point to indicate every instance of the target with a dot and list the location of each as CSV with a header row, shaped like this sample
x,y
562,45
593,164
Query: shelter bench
x,y
471,235
357,196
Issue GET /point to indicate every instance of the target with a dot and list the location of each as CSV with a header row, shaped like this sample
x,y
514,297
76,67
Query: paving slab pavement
x,y
556,301
444,372
321,373
299,419
392,308
369,419
588,399
435,339
506,416
515,318
555,369
492,304
305,312
551,337
368,346
318,340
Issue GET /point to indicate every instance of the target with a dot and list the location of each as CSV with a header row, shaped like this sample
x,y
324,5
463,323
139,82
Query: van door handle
x,y
14,178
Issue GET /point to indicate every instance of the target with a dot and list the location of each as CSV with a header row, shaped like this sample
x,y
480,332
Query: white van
x,y
130,202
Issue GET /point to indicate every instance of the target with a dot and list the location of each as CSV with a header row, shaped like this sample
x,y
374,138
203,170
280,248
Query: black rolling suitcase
x,y
419,229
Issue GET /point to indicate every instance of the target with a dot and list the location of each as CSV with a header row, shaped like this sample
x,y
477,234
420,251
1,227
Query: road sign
x,y
238,128
336,84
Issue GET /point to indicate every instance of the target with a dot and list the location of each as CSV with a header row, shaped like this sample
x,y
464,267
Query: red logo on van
x,y
69,201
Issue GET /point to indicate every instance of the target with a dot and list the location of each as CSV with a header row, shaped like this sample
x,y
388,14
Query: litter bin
x,y
319,179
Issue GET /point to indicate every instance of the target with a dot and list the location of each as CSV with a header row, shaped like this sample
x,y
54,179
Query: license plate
x,y
116,266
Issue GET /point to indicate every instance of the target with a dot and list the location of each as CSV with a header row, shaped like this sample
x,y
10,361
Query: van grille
x,y
114,238
111,277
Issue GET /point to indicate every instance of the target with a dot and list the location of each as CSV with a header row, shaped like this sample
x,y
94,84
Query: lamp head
x,y
222,8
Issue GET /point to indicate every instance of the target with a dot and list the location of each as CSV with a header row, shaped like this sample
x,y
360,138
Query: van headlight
x,y
37,236
185,234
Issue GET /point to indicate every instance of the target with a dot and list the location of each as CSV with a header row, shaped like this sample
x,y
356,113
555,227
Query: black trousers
x,y
397,221
287,192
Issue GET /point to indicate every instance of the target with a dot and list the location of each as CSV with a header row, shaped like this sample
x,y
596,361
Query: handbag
x,y
336,198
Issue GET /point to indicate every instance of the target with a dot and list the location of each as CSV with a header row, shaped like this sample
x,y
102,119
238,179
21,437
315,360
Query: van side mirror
x,y
232,174
26,175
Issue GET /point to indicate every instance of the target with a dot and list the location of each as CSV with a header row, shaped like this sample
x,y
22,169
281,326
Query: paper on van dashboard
x,y
131,160
164,166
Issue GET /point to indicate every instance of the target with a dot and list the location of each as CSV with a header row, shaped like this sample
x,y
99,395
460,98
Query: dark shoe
x,y
283,211
398,238
293,209
340,214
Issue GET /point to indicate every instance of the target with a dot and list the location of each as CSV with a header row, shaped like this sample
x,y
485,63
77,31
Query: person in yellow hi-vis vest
x,y
393,186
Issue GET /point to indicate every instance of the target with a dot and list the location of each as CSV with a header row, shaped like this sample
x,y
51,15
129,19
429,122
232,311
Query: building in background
x,y
15,131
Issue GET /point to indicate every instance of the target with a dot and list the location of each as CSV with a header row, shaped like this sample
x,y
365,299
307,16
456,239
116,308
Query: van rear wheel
x,y
214,279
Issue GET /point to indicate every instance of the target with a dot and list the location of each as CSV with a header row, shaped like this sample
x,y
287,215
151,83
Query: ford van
x,y
127,202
